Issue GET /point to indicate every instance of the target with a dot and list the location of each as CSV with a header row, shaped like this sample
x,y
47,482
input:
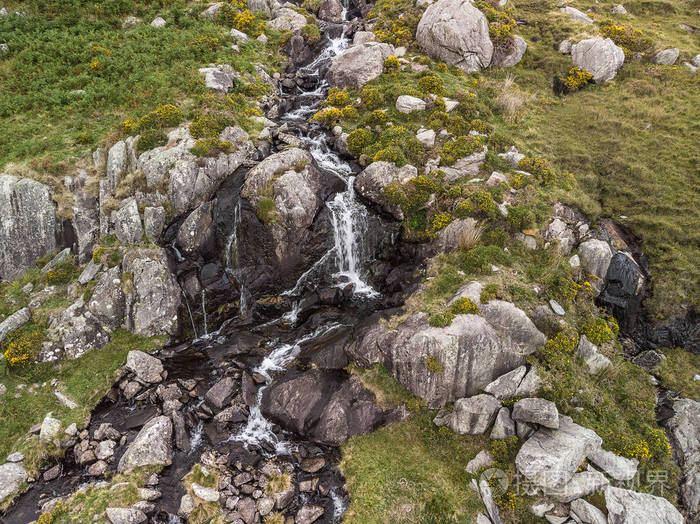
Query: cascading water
x,y
233,259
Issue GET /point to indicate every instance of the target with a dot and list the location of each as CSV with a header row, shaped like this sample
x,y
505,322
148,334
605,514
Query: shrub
x,y
629,39
208,126
501,33
486,204
337,97
521,218
577,78
210,147
311,33
503,451
561,343
441,220
431,83
327,116
520,180
464,209
150,139
392,153
22,346
311,6
61,274
158,119
349,113
600,330
478,260
462,147
540,168
490,292
377,117
391,64
371,97
464,306
480,126
441,320
433,365
358,140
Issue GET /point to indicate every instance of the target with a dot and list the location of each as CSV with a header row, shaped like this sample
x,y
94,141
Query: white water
x,y
204,312
339,506
233,259
258,429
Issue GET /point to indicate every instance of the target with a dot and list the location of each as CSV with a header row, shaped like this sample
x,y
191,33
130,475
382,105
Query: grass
x,y
84,380
205,476
677,372
59,47
409,470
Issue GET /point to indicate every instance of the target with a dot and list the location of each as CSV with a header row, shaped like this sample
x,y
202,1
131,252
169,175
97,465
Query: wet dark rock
x,y
648,359
182,440
221,393
623,290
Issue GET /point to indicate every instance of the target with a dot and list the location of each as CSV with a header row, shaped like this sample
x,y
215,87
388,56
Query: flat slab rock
x,y
628,507
538,411
550,457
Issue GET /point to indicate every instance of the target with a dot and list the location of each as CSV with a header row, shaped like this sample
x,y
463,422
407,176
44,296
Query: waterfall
x,y
204,312
233,259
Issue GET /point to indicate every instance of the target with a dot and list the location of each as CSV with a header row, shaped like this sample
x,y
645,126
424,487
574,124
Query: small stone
x,y
186,506
49,428
540,509
158,22
314,464
557,308
206,494
409,104
575,261
105,449
503,427
308,514
52,473
98,468
15,457
265,505
667,56
618,9
482,460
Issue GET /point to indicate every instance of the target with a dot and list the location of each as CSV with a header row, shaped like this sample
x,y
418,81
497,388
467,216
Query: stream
x,y
252,355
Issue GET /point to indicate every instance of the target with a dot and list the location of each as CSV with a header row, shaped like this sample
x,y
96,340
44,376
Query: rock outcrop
x,y
685,434
457,33
624,505
378,176
28,224
152,446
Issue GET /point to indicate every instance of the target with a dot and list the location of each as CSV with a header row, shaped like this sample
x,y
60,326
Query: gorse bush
x,y
22,346
358,140
600,330
337,97
539,167
462,147
441,320
577,78
464,306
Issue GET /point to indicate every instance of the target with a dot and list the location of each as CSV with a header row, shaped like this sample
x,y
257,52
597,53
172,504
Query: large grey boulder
x,y
152,446
510,56
595,257
125,516
127,222
576,15
27,224
12,476
685,434
582,484
359,64
376,177
619,468
512,323
550,457
587,512
293,183
153,298
78,330
450,237
536,411
629,507
471,416
667,56
148,369
466,356
15,321
108,302
219,79
467,166
457,33
330,11
196,231
286,19
589,353
86,215
153,222
503,427
599,56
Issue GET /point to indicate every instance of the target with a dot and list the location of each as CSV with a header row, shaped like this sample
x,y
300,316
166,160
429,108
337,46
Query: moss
x,y
433,365
278,483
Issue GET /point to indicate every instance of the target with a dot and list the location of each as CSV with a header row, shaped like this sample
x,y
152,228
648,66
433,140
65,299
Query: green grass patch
x,y
678,371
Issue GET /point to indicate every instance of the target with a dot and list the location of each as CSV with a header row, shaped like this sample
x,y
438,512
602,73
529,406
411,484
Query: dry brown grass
x,y
469,238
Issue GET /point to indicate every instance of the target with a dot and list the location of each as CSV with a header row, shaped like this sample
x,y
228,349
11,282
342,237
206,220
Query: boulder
x,y
619,468
152,446
362,37
450,237
685,435
409,104
220,393
27,224
471,416
626,506
509,56
512,323
587,513
196,232
505,386
471,290
618,9
330,11
599,56
359,64
127,222
286,19
482,460
469,354
206,494
158,22
154,298
86,215
50,428
595,257
589,352
15,321
376,177
426,137
537,411
467,166
457,33
78,330
487,499
512,156
582,484
623,290
126,516
308,514
108,302
503,427
559,231
218,79
667,56
576,15
12,476
322,405
212,11
550,457
90,272
148,369
153,222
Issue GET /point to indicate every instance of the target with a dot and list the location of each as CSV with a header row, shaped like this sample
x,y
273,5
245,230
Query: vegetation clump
x,y
441,320
462,147
433,365
464,306
311,33
600,330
